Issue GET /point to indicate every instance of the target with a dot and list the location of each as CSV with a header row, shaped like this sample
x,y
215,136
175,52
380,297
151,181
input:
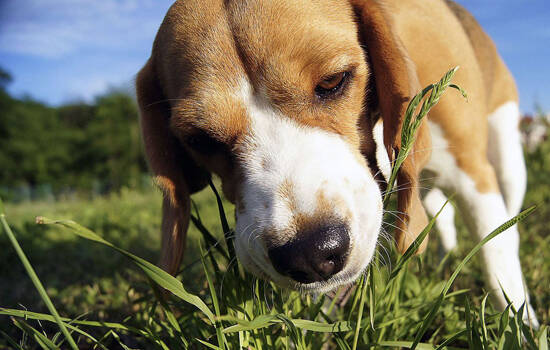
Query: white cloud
x,y
56,28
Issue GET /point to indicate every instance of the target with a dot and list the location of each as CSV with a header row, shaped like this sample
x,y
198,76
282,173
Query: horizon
x,y
73,51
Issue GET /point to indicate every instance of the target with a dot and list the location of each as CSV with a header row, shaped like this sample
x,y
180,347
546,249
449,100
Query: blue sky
x,y
66,50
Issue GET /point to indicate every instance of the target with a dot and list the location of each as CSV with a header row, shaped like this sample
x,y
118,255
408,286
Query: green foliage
x,y
73,147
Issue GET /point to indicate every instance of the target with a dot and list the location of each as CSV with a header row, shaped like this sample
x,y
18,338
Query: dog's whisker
x,y
229,266
397,216
405,187
403,230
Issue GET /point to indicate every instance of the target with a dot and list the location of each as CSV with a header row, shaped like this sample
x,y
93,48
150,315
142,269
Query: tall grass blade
x,y
340,326
411,124
40,338
172,320
257,323
543,339
211,240
214,296
405,344
161,277
34,278
208,345
372,297
451,339
468,317
119,341
45,317
428,320
364,281
227,231
263,321
11,341
341,342
482,320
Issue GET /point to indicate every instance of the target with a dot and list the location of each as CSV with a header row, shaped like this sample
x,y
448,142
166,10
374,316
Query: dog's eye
x,y
203,143
331,85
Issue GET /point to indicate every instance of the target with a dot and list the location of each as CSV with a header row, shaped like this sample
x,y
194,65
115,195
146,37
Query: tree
x,y
73,146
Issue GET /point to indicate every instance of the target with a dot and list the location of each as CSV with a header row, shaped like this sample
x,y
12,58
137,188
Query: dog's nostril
x,y
315,255
326,268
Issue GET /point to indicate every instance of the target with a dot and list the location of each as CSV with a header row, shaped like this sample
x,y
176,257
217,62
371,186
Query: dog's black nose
x,y
313,256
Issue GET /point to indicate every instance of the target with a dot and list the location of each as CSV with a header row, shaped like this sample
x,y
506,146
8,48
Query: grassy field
x,y
83,277
111,304
92,282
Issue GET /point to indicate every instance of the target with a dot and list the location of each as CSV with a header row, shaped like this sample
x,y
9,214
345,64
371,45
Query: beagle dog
x,y
297,106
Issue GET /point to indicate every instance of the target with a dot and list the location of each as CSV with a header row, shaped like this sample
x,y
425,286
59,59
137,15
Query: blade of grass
x,y
364,281
263,321
503,321
543,339
34,278
117,337
483,323
227,231
11,341
372,295
452,338
356,297
223,219
211,240
257,323
158,275
50,318
340,290
411,125
214,296
208,345
405,344
172,320
340,326
341,342
40,338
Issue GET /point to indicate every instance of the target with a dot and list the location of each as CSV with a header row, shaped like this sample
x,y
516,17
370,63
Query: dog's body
x,y
297,106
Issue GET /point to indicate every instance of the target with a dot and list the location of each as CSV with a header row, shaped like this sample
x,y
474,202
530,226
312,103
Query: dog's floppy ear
x,y
395,83
174,171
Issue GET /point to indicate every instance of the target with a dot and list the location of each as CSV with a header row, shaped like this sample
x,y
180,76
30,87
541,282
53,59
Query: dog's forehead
x,y
294,30
281,48
258,36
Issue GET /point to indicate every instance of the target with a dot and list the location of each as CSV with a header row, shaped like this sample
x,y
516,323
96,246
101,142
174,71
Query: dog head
x,y
277,98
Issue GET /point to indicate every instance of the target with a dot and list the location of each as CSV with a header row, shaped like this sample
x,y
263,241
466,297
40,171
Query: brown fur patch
x,y
482,74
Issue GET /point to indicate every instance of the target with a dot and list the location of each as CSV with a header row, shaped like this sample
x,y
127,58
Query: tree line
x,y
74,147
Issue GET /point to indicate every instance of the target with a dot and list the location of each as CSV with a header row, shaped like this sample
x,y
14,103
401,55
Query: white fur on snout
x,y
279,153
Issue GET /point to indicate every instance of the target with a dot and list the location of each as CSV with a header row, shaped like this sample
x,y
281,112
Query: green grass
x,y
109,301
396,316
